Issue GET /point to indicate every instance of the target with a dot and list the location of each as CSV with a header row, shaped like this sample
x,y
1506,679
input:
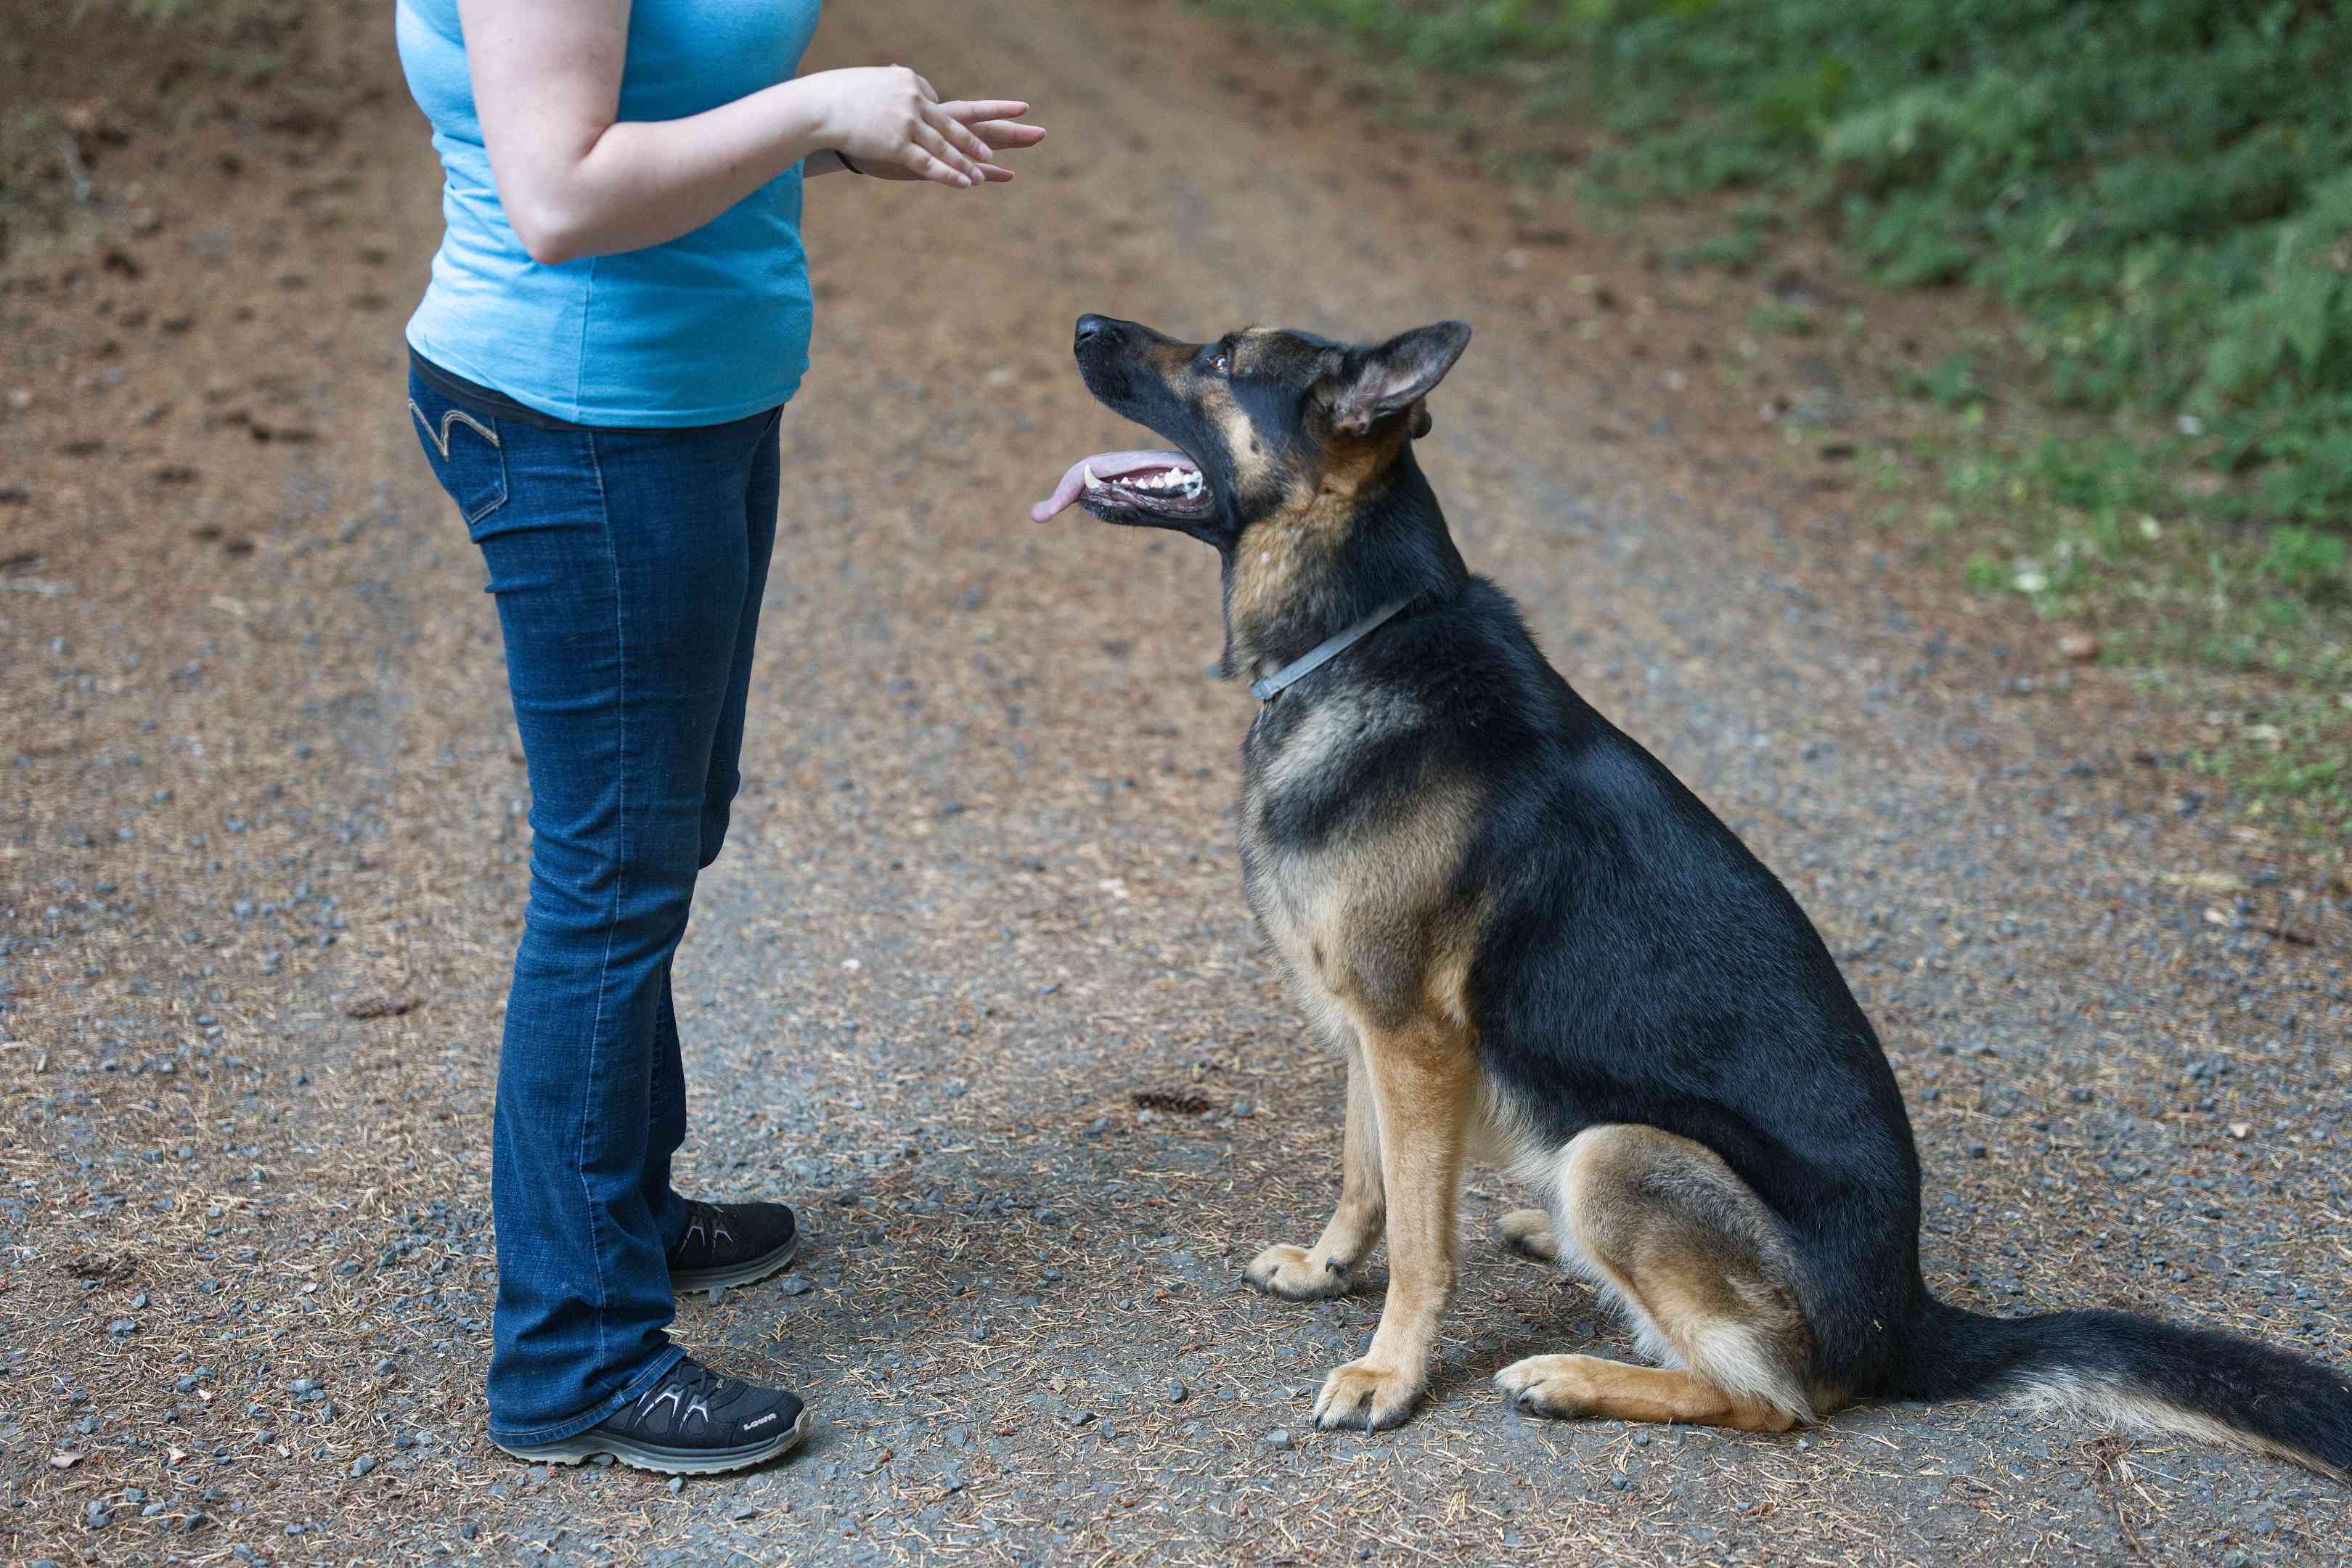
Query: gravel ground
x,y
973,984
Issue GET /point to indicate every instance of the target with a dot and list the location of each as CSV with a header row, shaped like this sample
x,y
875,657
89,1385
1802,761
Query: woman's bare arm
x,y
575,180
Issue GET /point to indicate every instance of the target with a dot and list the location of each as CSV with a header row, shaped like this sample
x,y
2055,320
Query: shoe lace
x,y
688,1381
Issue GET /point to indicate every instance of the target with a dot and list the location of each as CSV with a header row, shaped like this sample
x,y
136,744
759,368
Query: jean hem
x,y
556,1431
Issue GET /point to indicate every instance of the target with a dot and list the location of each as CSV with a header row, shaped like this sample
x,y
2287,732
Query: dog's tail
x,y
2139,1374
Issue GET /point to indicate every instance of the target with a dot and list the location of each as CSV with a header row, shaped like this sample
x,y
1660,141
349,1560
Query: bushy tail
x,y
2140,1374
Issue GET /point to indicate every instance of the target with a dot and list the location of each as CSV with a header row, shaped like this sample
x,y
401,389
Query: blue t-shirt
x,y
706,328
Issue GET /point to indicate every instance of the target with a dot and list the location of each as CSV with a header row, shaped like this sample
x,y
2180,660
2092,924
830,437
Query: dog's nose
x,y
1093,328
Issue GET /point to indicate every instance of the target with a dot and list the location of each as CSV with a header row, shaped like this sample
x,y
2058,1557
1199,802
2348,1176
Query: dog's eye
x,y
1221,362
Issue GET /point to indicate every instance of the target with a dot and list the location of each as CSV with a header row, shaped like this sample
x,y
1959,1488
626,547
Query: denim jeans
x,y
627,567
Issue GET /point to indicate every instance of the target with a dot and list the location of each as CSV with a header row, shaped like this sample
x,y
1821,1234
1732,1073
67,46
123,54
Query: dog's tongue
x,y
1106,465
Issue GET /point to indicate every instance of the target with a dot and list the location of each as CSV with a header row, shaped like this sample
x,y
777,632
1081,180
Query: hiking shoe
x,y
691,1423
731,1244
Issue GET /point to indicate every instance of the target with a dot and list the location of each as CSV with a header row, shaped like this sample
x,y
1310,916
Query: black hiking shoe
x,y
731,1244
691,1423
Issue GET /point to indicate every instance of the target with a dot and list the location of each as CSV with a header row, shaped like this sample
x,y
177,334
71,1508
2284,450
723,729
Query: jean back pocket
x,y
464,449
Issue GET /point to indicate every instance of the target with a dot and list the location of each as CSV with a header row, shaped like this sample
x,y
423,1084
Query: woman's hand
x,y
576,180
889,121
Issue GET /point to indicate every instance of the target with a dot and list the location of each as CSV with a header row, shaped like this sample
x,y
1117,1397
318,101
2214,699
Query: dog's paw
x,y
1362,1397
1561,1386
1528,1233
1291,1273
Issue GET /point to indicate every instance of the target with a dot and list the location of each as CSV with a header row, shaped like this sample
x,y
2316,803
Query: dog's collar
x,y
1267,688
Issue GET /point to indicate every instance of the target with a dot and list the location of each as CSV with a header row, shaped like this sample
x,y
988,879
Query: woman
x,y
617,314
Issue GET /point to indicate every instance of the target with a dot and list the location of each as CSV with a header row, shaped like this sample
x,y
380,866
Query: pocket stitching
x,y
441,441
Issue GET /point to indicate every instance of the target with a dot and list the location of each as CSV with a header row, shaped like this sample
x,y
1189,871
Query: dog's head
x,y
1264,421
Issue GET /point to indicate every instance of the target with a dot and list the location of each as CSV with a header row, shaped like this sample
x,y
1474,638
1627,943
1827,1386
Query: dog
x,y
1537,948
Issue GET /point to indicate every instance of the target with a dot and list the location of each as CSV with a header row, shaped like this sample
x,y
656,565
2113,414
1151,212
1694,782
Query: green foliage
x,y
2308,561
1779,316
2162,188
1951,383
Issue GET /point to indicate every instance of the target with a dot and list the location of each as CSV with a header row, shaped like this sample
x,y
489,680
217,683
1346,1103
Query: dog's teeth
x,y
1092,483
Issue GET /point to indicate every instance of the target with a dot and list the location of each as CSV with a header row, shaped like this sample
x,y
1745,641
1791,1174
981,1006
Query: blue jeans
x,y
628,567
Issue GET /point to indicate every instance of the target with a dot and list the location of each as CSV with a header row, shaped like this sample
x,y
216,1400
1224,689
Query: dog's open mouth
x,y
1159,484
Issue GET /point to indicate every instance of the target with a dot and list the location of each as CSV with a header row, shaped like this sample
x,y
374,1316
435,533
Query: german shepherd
x,y
1537,947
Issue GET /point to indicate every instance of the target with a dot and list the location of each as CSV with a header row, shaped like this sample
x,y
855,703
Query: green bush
x,y
2163,188
2309,563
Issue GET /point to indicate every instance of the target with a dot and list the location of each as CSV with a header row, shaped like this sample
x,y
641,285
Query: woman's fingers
x,y
996,121
927,139
929,168
970,110
959,135
1000,135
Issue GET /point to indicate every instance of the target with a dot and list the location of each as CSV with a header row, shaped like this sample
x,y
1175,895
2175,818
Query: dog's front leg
x,y
1422,1078
1312,1273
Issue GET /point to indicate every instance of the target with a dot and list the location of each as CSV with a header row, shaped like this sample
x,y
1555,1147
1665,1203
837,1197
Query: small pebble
x,y
1279,1439
362,1464
1176,1392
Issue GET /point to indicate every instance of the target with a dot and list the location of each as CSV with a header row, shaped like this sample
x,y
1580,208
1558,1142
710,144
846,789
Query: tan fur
x,y
1583,1386
1667,1229
1528,1233
1422,1079
1305,1273
1283,553
1291,548
1378,946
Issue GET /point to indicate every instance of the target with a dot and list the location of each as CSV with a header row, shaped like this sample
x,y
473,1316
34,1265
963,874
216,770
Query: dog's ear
x,y
1373,385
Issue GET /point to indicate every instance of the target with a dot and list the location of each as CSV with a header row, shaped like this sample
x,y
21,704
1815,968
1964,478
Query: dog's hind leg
x,y
1699,1263
1307,1274
1528,1233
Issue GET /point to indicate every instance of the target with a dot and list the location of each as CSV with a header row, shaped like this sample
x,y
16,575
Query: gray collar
x,y
1267,688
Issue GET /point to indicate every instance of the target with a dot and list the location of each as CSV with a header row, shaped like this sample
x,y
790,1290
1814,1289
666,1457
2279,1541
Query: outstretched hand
x,y
889,121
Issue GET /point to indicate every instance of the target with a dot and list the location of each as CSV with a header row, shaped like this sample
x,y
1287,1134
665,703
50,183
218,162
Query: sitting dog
x,y
1537,947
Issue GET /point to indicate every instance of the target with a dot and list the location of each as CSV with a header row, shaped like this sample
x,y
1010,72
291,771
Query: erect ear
x,y
1376,384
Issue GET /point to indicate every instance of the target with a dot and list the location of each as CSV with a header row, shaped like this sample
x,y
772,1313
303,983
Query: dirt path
x,y
981,893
